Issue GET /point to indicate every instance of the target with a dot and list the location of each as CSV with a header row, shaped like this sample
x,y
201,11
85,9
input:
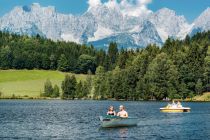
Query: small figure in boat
x,y
173,104
179,105
122,112
111,111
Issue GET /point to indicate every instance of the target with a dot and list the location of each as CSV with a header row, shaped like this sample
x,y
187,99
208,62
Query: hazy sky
x,y
189,8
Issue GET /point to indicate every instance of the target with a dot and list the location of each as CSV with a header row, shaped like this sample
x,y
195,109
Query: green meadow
x,y
203,97
29,83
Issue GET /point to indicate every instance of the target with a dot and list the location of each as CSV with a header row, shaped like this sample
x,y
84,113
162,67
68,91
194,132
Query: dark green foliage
x,y
122,58
99,83
178,69
6,58
48,89
112,53
69,87
86,89
63,63
162,77
23,52
199,86
86,63
56,92
53,62
79,90
207,71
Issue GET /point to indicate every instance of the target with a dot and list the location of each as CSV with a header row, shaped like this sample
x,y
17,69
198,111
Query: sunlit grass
x,y
29,82
204,97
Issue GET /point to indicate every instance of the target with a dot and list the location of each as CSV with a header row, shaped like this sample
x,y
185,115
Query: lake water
x,y
56,119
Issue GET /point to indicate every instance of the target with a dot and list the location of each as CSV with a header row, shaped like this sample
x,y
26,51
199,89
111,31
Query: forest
x,y
179,69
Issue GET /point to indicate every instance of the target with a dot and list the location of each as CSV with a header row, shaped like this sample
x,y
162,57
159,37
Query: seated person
x,y
111,111
122,113
168,106
179,105
173,104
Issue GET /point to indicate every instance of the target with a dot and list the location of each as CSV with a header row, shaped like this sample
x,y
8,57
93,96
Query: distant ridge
x,y
101,24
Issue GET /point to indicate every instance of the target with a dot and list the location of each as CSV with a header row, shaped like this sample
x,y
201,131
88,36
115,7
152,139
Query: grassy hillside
x,y
204,97
29,82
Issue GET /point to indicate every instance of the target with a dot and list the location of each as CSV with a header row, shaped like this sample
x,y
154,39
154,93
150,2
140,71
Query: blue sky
x,y
189,8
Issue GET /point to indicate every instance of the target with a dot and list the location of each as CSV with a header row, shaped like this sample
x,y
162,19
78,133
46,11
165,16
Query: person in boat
x,y
168,106
173,104
122,113
179,105
111,111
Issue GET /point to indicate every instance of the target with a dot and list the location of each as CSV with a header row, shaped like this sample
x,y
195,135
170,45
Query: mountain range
x,y
102,24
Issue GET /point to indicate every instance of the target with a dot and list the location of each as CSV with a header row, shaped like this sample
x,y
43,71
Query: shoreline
x,y
48,99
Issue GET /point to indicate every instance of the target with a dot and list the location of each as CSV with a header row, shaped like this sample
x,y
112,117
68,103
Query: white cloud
x,y
112,4
127,7
94,3
144,1
135,7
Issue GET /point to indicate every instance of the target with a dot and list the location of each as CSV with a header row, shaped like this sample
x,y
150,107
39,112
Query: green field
x,y
29,82
204,97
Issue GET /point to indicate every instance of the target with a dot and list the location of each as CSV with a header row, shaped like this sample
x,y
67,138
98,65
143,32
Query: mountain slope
x,y
102,24
168,24
142,36
202,23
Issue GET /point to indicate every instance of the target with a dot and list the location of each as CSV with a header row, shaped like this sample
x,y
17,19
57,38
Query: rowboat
x,y
115,121
175,109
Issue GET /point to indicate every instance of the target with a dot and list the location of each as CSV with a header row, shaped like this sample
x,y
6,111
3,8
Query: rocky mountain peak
x,y
101,24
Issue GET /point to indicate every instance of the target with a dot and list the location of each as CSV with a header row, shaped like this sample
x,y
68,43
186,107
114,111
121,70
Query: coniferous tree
x,y
48,89
86,90
141,90
53,62
69,87
63,63
86,63
112,53
6,58
56,92
79,90
162,77
99,83
207,70
199,86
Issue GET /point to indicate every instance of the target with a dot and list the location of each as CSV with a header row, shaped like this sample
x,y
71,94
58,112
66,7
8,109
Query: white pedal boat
x,y
115,121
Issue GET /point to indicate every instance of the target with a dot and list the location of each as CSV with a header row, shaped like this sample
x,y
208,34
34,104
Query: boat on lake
x,y
115,121
175,108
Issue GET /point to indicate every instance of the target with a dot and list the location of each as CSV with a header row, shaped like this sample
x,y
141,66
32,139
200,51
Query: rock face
x,y
101,25
202,23
168,24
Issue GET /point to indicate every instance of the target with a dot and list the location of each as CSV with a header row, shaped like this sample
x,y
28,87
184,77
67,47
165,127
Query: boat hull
x,y
175,110
118,122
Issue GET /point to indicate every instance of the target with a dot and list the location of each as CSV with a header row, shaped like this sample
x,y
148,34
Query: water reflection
x,y
123,133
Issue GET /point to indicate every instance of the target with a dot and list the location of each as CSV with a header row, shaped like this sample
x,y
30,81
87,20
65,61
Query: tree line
x,y
178,69
24,52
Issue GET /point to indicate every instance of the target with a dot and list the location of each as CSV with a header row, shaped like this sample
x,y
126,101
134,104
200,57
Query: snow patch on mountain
x,y
70,37
202,23
101,33
103,23
169,24
145,35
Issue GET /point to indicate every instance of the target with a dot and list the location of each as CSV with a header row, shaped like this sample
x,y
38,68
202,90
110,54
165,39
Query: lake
x,y
57,119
